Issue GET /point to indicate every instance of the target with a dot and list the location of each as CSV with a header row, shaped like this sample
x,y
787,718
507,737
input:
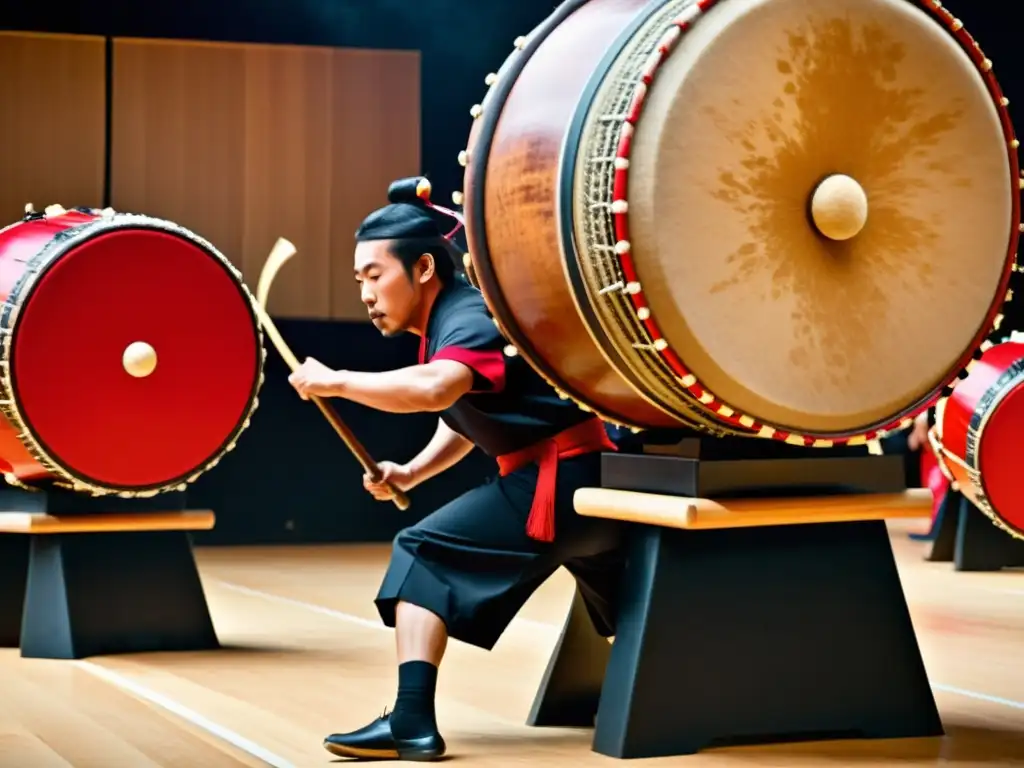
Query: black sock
x,y
414,705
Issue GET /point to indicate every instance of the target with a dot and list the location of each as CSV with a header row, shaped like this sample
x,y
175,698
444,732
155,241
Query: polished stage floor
x,y
306,655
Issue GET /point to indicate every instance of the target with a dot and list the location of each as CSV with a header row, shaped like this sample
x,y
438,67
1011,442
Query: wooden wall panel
x,y
288,173
376,106
245,143
177,137
52,129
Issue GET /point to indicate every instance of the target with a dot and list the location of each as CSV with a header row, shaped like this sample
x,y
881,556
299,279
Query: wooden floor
x,y
306,655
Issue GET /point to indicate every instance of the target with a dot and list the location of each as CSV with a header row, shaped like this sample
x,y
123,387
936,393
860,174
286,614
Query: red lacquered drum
x,y
750,217
130,353
978,436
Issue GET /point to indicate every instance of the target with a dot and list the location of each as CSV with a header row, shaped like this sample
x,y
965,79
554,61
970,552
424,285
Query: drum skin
x,y
654,293
78,289
979,432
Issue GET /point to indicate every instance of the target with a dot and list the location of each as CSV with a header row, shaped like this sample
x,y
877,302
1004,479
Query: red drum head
x,y
93,291
999,456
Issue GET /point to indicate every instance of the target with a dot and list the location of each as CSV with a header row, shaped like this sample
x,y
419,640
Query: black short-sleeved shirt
x,y
510,406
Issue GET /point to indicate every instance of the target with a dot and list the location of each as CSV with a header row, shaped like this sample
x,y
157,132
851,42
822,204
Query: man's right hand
x,y
398,475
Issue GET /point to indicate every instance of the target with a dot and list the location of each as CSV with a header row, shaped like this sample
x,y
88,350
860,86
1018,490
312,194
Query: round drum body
x,y
638,193
78,290
979,434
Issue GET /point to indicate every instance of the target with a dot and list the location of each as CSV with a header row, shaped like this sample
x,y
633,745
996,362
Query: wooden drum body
x,y
978,437
130,353
794,219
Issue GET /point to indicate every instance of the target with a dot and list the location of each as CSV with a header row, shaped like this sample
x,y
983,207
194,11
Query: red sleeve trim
x,y
488,366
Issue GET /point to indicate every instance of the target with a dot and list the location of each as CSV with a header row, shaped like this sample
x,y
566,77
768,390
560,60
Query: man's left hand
x,y
313,378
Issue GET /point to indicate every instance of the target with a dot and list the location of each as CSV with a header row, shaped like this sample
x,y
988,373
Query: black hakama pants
x,y
472,564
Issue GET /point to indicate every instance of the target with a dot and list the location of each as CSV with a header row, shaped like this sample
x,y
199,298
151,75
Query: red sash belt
x,y
586,437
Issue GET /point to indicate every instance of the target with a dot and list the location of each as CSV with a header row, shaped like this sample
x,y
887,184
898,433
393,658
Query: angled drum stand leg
x,y
570,690
947,521
759,633
979,545
969,540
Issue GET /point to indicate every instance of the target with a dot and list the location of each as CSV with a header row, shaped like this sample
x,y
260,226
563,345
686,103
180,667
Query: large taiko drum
x,y
978,436
788,218
130,353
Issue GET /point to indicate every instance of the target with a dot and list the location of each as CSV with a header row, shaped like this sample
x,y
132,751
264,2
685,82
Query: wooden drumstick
x,y
279,254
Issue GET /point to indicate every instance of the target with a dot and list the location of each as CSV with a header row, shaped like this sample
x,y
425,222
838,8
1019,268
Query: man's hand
x,y
918,437
313,378
398,475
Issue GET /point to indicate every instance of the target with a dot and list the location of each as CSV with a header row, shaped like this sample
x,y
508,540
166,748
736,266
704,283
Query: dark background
x,y
291,479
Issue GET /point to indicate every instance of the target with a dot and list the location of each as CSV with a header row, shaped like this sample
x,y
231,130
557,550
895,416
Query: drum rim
x,y
10,318
564,203
869,433
476,232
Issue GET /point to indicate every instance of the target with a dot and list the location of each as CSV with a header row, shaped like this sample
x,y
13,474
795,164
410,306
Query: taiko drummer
x,y
465,570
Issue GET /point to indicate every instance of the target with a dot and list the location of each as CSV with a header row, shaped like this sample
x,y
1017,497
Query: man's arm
x,y
432,387
445,449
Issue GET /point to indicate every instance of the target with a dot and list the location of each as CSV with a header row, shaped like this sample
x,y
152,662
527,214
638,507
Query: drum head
x,y
761,101
126,281
999,459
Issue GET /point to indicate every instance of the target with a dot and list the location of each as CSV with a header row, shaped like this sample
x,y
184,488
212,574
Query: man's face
x,y
389,293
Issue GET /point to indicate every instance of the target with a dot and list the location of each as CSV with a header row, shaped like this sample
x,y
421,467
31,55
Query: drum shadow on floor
x,y
964,744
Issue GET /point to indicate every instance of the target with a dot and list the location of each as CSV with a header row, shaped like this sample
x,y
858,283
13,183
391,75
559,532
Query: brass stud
x,y
1014,144
957,25
476,110
491,79
458,198
1004,101
463,158
986,65
510,350
519,42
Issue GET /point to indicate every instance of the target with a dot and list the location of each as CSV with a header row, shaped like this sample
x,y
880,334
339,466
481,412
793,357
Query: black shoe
x,y
375,742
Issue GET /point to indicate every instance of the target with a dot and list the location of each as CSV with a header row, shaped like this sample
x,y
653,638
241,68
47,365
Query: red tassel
x,y
541,523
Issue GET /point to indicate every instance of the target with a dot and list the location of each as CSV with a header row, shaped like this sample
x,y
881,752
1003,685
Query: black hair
x,y
409,221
